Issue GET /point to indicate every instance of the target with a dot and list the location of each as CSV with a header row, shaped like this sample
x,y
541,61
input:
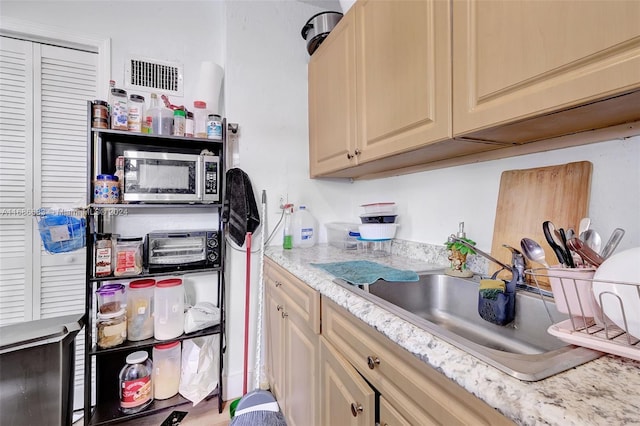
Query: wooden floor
x,y
205,413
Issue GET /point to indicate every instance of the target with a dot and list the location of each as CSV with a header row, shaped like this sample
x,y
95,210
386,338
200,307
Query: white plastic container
x,y
200,116
388,208
135,115
168,311
140,309
167,358
305,228
159,118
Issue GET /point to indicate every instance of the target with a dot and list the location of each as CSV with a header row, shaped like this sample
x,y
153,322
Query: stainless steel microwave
x,y
161,177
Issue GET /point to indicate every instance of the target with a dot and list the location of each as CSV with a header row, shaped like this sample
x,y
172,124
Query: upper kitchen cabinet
x,y
403,76
526,71
380,91
332,100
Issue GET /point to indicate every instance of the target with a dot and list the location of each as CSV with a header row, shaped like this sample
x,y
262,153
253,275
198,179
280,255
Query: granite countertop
x,y
605,391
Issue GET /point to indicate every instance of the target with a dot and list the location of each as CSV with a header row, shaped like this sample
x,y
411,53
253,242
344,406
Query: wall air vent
x,y
153,75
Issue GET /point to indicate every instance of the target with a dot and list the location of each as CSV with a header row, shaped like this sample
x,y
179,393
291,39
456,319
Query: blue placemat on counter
x,y
366,272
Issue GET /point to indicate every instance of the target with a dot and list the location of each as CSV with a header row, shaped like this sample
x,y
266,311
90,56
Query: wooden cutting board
x,y
529,197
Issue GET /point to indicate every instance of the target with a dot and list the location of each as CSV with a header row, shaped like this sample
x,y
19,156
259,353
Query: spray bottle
x,y
287,242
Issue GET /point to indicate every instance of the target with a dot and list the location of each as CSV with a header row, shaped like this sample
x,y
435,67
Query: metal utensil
x,y
548,229
577,245
585,223
533,251
592,239
612,243
570,233
569,256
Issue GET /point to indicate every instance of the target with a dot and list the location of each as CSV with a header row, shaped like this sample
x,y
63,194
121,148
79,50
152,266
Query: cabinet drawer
x,y
423,395
297,295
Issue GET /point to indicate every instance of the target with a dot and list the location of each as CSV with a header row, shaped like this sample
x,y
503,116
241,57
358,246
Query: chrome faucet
x,y
517,263
517,268
517,260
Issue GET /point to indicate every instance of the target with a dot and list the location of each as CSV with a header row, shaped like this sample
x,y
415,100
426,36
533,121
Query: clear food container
x,y
111,298
375,248
168,309
128,256
166,369
140,309
343,235
112,329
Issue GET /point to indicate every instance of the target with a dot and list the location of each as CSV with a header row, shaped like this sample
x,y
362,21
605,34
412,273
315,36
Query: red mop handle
x,y
246,314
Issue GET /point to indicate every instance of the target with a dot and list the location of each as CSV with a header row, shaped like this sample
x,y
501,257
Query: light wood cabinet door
x,y
302,378
403,75
274,342
518,59
332,100
346,398
292,316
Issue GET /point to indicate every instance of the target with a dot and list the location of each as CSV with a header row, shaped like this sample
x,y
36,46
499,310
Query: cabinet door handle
x,y
350,156
372,361
357,152
278,283
284,314
279,307
356,409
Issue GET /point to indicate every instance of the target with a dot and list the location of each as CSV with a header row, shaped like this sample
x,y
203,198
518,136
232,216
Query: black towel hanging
x,y
240,210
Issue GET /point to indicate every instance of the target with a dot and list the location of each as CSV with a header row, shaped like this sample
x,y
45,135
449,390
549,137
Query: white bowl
x,y
377,231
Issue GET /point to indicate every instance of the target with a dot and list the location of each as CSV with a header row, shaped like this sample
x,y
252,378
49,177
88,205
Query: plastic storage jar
x,y
100,114
106,189
214,127
136,385
128,256
119,109
103,255
112,329
140,309
200,115
166,369
135,114
111,298
168,309
179,122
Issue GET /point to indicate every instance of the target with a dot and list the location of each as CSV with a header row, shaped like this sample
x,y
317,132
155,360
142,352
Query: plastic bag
x,y
200,365
201,316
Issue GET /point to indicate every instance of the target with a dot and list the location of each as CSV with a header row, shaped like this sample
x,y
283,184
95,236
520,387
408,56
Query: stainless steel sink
x,y
447,307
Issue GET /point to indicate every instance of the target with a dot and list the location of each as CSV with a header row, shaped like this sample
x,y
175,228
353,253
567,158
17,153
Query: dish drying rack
x,y
602,335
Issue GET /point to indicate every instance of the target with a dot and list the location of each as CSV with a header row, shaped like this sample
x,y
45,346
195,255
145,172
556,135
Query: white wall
x,y
187,32
265,88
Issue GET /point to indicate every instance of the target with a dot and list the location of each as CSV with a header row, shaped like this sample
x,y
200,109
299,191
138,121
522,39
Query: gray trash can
x,y
37,362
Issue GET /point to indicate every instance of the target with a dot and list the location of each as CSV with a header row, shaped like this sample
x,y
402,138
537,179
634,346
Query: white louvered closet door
x,y
54,174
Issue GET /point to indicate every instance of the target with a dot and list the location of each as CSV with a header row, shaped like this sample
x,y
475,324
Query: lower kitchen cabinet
x,y
292,314
410,392
346,398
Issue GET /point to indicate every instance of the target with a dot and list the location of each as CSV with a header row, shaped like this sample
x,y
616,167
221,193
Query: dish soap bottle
x,y
287,242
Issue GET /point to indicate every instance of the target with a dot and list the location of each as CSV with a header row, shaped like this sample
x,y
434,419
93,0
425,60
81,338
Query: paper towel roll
x,y
209,85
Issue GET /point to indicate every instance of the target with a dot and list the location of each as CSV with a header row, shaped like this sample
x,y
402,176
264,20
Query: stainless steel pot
x,y
318,27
